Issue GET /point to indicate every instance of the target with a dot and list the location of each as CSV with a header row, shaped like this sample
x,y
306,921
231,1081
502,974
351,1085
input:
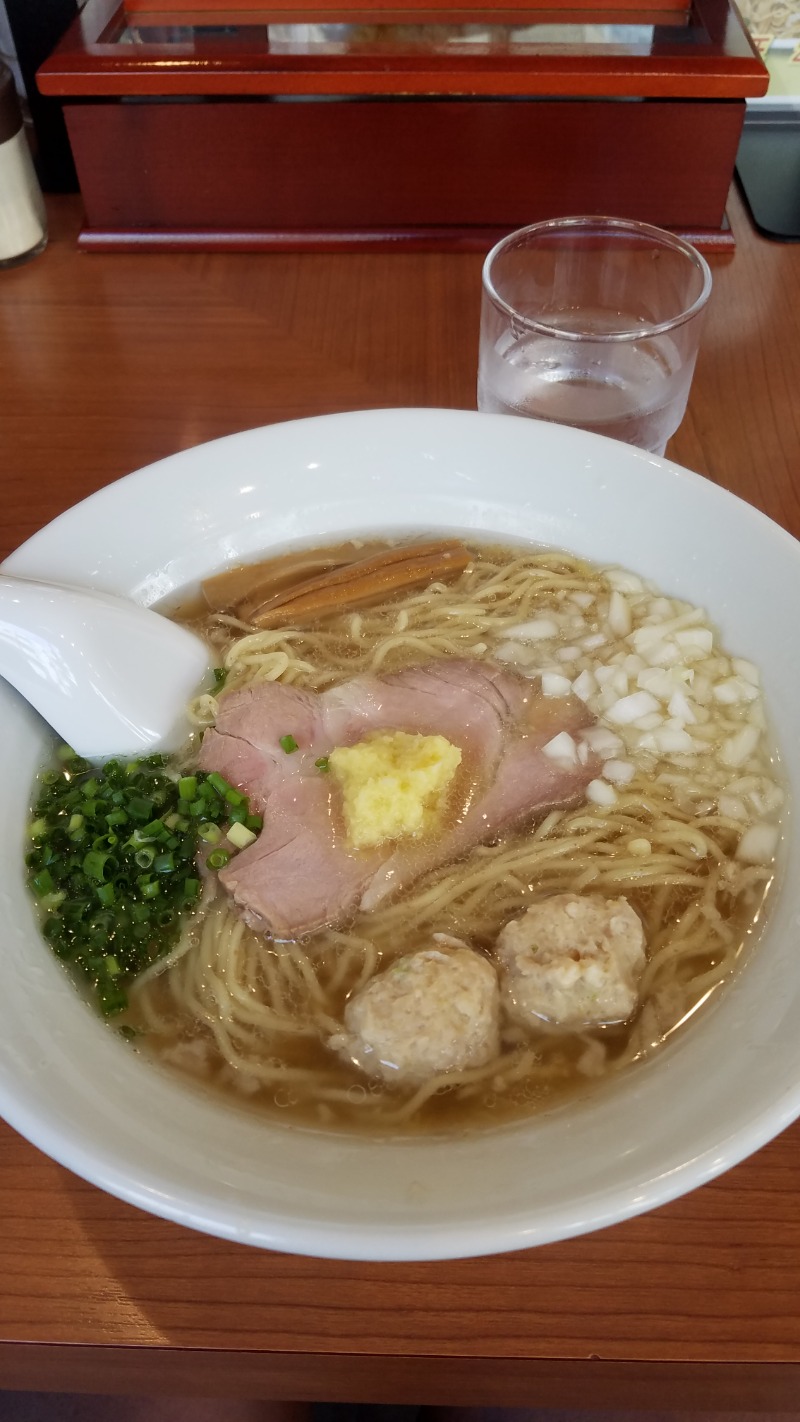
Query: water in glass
x,y
631,390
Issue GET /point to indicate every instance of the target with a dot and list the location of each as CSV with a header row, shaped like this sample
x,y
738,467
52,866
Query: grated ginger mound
x,y
393,784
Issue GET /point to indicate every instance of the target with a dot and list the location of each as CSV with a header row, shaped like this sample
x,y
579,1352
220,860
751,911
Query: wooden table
x,y
109,362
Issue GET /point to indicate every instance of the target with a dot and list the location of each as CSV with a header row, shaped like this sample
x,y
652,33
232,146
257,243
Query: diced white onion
x,y
619,615
743,784
553,684
772,796
658,681
701,688
562,747
619,772
660,608
732,807
662,654
602,740
605,698
515,653
649,722
681,707
701,638
601,793
537,630
738,748
666,741
733,690
584,685
746,670
633,664
629,708
647,636
665,687
624,581
758,843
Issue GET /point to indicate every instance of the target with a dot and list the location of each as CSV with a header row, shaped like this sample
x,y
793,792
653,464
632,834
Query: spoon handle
x,y
111,677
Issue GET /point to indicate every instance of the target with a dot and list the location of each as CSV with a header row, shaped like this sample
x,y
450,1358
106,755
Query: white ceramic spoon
x,y
112,678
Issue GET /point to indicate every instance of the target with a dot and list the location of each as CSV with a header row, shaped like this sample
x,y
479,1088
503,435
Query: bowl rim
x,y
374,1241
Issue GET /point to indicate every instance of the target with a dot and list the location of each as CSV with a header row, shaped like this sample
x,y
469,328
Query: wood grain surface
x,y
712,57
109,362
337,169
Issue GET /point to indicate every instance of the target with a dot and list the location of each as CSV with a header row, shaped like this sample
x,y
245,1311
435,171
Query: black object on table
x,y
768,169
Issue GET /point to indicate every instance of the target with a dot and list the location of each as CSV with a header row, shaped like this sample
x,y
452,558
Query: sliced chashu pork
x,y
300,874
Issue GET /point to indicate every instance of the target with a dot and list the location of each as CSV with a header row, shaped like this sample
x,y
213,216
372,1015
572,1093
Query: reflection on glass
x,y
335,38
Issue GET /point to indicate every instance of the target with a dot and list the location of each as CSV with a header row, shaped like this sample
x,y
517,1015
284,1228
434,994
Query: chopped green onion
x,y
94,864
239,835
218,782
140,807
288,744
220,677
111,1000
109,856
218,858
43,883
323,763
50,902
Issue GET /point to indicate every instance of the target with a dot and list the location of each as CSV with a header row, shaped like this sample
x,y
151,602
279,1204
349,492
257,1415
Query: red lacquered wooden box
x,y
196,126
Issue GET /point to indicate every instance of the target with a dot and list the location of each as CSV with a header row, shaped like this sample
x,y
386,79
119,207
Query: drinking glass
x,y
594,322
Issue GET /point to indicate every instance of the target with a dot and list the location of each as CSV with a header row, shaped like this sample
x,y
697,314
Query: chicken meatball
x,y
572,961
433,1011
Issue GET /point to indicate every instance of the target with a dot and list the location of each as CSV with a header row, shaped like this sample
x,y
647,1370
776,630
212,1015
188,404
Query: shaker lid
x,y
10,111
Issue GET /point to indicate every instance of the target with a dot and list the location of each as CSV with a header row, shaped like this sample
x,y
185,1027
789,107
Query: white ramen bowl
x,y
729,1083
